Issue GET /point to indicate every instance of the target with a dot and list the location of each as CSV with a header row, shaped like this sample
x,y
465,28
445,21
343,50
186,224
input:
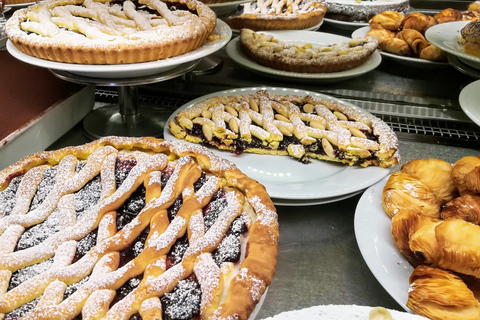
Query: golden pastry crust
x,y
110,32
267,123
179,182
448,15
305,57
278,15
390,20
470,38
418,21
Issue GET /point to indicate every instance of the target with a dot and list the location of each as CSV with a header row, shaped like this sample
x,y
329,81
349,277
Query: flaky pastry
x,y
390,20
415,40
418,21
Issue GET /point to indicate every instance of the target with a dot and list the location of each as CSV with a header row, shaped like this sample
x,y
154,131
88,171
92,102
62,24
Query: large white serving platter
x,y
373,233
235,52
447,37
131,70
469,100
286,178
339,312
346,25
408,61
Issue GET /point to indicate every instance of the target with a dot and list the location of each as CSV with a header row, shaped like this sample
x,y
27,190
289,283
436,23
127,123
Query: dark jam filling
x,y
85,245
44,188
213,209
36,234
173,209
26,273
88,196
131,208
122,169
134,249
183,303
21,311
177,251
7,196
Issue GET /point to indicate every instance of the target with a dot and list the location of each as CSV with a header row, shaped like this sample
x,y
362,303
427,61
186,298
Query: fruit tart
x,y
110,32
278,15
133,228
303,127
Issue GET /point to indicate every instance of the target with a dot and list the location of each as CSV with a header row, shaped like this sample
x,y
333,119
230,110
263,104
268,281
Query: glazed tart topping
x,y
303,127
132,228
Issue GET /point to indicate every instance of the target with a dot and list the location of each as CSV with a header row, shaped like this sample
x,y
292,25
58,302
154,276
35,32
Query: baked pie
x,y
278,15
300,126
268,51
133,228
362,10
110,32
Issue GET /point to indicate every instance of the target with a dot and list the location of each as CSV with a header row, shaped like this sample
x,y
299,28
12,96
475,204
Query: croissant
x,y
448,15
403,192
436,174
415,39
466,207
460,169
390,20
380,34
433,53
438,295
418,21
474,6
452,244
396,46
404,224
470,15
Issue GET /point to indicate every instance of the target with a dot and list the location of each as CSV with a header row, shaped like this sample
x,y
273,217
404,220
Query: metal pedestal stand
x,y
127,118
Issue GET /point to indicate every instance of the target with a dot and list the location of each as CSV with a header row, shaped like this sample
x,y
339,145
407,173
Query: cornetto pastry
x,y
133,228
418,21
110,32
300,126
448,15
277,15
304,57
470,38
390,20
435,210
415,40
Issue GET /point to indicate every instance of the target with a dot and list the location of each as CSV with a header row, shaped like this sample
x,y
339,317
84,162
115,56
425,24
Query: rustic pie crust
x,y
133,228
268,51
110,32
278,15
303,127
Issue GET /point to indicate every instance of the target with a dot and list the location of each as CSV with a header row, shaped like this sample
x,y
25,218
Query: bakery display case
x,y
334,244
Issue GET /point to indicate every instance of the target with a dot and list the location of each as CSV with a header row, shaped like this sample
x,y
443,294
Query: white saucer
x,y
348,25
459,65
131,70
469,99
303,203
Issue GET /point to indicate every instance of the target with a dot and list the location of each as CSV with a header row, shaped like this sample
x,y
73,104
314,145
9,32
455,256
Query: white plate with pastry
x,y
373,233
348,25
287,178
469,98
235,52
447,37
408,61
132,70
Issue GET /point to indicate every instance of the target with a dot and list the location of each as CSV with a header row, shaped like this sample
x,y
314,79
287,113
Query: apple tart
x,y
278,15
133,228
110,32
268,51
303,127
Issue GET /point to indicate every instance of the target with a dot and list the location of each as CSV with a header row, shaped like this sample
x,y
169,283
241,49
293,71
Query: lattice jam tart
x,y
133,228
268,51
278,15
110,32
300,126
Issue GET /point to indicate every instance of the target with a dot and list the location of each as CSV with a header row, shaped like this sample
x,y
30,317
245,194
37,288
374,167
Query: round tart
x,y
278,15
110,32
303,127
133,228
305,58
363,10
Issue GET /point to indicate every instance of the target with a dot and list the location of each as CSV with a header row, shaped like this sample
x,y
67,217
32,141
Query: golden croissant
x,y
436,174
448,15
396,46
404,224
460,169
402,192
439,295
380,34
466,207
390,20
451,244
433,53
474,6
418,21
415,40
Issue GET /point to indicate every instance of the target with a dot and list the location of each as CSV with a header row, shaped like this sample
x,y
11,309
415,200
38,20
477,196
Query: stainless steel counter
x,y
319,261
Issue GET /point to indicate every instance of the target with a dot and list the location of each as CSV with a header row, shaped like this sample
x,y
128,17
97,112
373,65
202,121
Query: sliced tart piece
x,y
300,126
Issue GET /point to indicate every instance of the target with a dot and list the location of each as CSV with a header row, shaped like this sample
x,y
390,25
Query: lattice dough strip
x,y
354,124
267,116
245,121
364,144
151,309
97,304
9,238
140,20
210,279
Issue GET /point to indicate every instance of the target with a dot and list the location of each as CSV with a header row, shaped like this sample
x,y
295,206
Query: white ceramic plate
x,y
447,37
346,24
469,99
314,28
123,71
286,178
458,64
409,61
373,233
314,202
338,312
19,5
235,52
226,7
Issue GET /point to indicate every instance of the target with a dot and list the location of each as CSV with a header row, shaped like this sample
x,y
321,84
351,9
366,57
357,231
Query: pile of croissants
x,y
435,211
405,35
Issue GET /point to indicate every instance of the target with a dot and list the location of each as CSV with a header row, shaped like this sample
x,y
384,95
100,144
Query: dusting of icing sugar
x,y
151,303
208,275
170,276
165,239
208,188
265,216
257,284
